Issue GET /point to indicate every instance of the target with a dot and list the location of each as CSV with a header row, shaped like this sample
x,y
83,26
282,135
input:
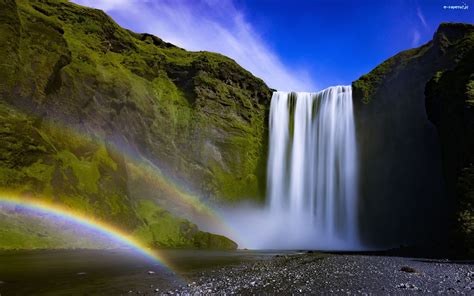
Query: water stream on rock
x,y
312,175
312,164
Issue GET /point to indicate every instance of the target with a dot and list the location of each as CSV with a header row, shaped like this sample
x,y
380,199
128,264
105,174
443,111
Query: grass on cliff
x,y
77,67
368,84
75,52
81,173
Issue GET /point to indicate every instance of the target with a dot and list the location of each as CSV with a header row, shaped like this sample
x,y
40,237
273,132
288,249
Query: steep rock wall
x,y
403,192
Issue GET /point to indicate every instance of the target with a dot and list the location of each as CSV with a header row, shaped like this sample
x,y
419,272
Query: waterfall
x,y
312,179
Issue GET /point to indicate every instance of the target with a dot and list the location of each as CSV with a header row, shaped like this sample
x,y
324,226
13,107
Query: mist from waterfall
x,y
312,176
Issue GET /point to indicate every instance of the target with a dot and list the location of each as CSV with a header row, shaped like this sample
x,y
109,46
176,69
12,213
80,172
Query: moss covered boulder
x,y
161,227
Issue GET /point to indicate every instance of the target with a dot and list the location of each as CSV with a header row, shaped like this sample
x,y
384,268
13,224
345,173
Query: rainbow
x,y
69,215
176,193
183,200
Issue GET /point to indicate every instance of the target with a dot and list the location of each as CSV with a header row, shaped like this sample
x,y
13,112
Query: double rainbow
x,y
178,194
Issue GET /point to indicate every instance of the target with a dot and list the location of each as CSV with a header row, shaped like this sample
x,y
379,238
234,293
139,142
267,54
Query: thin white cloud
x,y
421,17
416,38
107,4
211,25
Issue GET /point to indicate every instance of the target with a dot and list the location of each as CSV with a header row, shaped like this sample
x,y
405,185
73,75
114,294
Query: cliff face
x,y
403,180
450,106
85,175
198,115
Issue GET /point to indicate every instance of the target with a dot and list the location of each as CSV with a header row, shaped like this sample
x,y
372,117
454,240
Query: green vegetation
x,y
449,101
30,231
75,64
199,115
81,173
399,160
367,85
42,159
161,228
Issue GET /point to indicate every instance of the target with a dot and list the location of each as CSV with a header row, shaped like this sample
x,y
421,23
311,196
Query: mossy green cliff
x,y
198,115
83,174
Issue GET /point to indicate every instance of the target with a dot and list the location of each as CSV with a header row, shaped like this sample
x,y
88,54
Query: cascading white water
x,y
312,177
312,180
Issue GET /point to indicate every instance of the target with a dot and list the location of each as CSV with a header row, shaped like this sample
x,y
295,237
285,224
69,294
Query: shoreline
x,y
120,272
324,273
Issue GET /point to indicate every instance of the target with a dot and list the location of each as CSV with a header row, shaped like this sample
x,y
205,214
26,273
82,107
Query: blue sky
x,y
299,45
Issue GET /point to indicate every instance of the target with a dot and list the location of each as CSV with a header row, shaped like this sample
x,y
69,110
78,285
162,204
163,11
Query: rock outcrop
x,y
77,91
405,186
450,106
198,114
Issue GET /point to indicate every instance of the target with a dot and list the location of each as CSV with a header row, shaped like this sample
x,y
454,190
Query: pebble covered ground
x,y
315,273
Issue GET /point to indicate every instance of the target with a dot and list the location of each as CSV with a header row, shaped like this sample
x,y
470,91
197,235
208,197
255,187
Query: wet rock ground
x,y
334,274
243,272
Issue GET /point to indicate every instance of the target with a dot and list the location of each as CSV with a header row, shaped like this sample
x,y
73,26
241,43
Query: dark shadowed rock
x,y
408,269
450,106
403,192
